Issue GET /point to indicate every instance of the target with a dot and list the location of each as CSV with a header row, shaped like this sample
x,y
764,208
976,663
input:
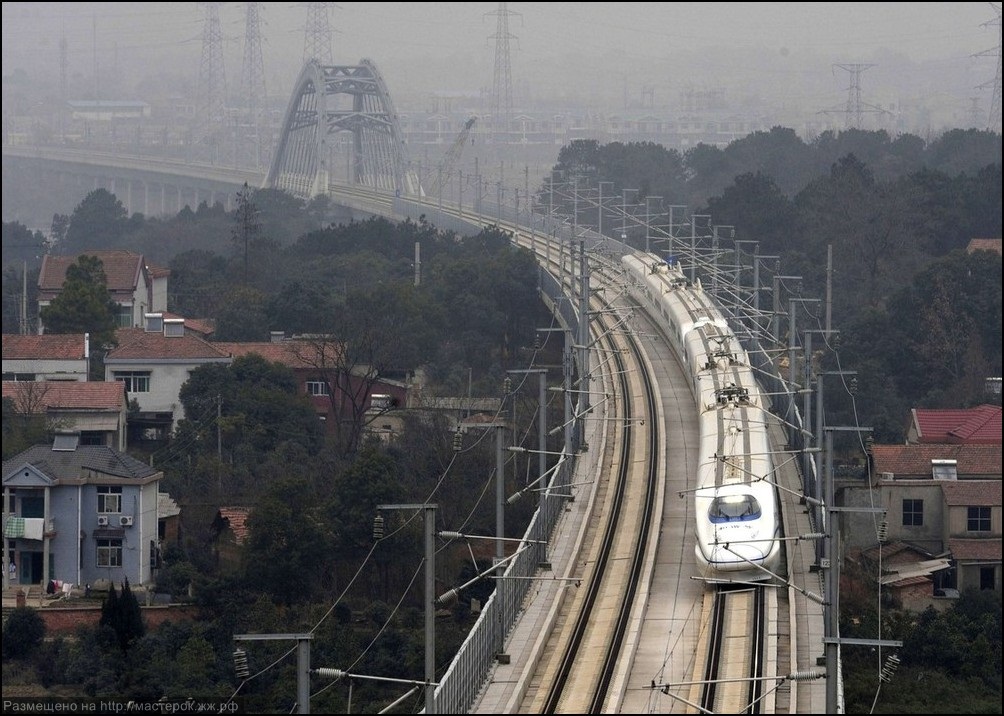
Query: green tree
x,y
259,407
23,632
15,284
949,324
21,245
758,209
241,315
83,305
288,552
122,614
198,283
98,222
247,228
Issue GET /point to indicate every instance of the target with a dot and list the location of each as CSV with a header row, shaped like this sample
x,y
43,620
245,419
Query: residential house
x,y
136,286
79,513
943,499
154,363
907,572
46,357
168,520
230,532
315,372
97,411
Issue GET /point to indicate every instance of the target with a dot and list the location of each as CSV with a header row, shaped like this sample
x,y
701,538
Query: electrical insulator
x,y
853,386
891,664
458,441
241,664
378,527
507,385
536,343
883,530
807,675
869,444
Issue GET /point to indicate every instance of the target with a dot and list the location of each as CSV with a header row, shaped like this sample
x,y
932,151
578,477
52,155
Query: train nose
x,y
734,546
740,554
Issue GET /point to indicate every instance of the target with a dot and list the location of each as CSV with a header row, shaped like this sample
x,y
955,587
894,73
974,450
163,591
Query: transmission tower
x,y
253,88
855,109
212,81
63,67
994,119
975,113
501,97
317,34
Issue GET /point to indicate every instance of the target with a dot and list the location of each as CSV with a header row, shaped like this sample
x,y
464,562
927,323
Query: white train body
x,y
737,520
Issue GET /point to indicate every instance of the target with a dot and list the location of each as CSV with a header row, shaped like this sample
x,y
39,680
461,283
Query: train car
x,y
737,519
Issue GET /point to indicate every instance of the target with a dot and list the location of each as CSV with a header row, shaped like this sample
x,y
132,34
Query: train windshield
x,y
734,508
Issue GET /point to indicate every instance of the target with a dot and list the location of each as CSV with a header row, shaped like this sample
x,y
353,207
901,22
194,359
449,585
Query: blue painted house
x,y
78,513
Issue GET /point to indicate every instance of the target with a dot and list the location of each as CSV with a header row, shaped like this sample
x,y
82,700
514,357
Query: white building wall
x,y
48,369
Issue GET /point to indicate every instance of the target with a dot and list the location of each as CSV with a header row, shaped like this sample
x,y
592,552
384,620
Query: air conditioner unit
x,y
125,521
102,520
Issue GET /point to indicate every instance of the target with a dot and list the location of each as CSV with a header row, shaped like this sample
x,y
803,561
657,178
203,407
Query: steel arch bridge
x,y
331,100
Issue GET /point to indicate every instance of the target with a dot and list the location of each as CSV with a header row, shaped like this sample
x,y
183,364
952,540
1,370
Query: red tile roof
x,y
236,518
292,353
988,550
72,395
122,269
51,346
915,460
136,343
972,493
890,549
981,424
984,245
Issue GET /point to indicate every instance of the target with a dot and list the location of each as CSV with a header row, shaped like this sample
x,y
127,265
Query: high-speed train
x,y
737,518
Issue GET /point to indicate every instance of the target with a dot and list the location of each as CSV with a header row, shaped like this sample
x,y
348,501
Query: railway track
x,y
746,634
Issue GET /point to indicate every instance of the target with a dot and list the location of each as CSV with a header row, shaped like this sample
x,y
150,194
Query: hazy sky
x,y
598,48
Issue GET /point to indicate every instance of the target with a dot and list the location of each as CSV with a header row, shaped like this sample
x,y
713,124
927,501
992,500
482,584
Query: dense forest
x,y
919,319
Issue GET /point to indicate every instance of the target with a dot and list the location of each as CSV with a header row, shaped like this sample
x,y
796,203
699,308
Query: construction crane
x,y
452,155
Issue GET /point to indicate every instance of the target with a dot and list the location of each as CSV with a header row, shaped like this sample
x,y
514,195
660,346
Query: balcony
x,y
29,528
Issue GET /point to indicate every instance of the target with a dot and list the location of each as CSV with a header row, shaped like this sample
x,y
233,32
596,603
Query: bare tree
x,y
350,369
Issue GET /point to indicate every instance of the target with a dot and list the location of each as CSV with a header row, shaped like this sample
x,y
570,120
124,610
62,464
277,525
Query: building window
x,y
913,513
978,519
988,578
92,437
109,553
125,317
136,381
317,387
19,377
109,498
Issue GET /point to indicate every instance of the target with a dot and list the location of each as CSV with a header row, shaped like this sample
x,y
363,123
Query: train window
x,y
734,508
